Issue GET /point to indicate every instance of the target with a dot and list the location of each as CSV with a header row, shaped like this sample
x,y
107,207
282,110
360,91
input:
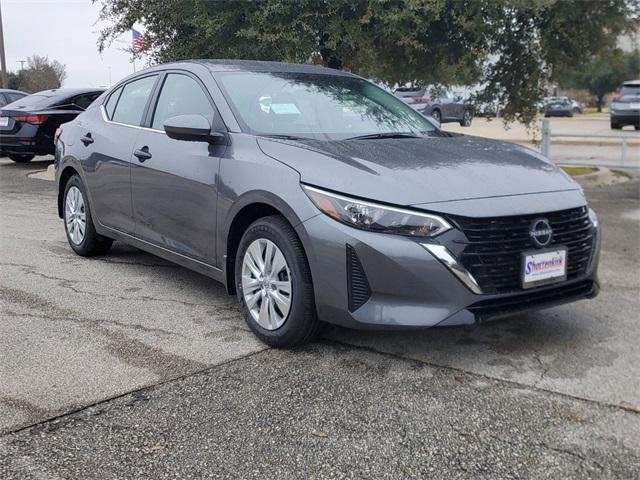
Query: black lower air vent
x,y
359,290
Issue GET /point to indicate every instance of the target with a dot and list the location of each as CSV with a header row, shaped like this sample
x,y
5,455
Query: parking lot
x,y
126,366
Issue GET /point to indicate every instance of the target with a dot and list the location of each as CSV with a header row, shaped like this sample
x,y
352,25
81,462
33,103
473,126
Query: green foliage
x,y
510,46
40,74
605,72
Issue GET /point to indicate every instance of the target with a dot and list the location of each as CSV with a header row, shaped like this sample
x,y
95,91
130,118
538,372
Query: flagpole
x,y
134,65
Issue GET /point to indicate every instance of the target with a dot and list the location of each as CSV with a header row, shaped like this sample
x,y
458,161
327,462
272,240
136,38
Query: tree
x,y
43,74
511,47
604,73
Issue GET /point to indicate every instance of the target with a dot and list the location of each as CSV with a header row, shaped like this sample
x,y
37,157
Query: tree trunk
x,y
599,102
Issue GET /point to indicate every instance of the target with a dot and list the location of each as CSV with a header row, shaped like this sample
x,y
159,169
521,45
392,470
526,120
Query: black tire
x,y
93,243
301,324
437,115
616,125
21,158
467,116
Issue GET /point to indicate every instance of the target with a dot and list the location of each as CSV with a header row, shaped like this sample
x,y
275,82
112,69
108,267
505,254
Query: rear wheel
x,y
466,119
20,158
273,283
78,222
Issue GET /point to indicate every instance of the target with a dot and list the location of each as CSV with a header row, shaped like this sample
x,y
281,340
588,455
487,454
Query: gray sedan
x,y
315,196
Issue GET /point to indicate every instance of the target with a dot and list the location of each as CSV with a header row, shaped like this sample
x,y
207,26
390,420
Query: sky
x,y
67,31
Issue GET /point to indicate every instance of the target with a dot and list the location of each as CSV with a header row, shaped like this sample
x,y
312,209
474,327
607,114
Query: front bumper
x,y
409,286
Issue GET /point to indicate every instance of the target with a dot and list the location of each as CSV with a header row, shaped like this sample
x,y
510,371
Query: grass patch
x,y
575,171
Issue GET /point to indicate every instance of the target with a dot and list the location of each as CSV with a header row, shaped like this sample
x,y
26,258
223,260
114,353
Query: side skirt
x,y
182,260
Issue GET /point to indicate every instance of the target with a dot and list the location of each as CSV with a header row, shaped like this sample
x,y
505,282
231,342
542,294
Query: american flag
x,y
139,42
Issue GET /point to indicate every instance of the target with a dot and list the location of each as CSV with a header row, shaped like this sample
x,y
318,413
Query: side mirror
x,y
191,128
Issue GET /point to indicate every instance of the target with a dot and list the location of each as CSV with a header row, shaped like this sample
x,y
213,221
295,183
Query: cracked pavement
x,y
127,366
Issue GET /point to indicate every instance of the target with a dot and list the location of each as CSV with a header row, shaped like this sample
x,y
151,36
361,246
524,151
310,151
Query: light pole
x,y
3,60
21,62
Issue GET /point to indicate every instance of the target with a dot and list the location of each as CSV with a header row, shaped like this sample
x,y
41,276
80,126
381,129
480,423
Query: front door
x,y
174,182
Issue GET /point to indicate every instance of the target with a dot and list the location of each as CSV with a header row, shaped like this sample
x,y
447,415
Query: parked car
x,y
8,96
314,195
625,106
558,109
575,106
28,124
438,103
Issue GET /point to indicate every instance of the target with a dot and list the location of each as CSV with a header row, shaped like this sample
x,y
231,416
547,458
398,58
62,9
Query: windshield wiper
x,y
285,137
384,135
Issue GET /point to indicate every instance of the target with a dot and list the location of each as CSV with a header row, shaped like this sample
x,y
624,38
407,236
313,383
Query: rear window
x,y
35,100
633,89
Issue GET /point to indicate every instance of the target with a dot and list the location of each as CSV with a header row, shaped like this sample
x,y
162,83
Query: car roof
x,y
9,90
264,66
634,83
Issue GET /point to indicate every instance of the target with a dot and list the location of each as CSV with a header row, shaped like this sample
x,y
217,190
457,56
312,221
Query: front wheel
x,y
466,119
78,222
437,116
21,158
273,283
615,125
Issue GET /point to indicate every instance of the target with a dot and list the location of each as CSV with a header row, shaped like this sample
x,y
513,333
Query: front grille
x,y
493,250
536,298
357,283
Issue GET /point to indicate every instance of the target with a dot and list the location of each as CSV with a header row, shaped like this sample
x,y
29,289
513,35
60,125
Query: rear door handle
x,y
142,154
87,139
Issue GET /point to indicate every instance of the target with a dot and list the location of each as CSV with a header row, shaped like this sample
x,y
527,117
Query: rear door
x,y
106,139
175,189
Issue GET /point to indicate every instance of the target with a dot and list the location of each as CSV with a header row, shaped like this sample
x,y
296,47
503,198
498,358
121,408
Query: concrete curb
x,y
49,174
602,177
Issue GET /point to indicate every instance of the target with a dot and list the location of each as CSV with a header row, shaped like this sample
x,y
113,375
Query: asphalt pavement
x,y
126,366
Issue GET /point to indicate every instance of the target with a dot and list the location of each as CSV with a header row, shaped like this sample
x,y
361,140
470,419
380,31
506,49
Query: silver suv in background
x,y
441,104
625,106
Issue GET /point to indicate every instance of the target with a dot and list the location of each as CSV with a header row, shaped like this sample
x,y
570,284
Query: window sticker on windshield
x,y
284,109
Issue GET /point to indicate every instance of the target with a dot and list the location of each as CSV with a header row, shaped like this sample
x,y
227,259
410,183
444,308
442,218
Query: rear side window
x,y
3,100
133,100
181,95
83,101
110,106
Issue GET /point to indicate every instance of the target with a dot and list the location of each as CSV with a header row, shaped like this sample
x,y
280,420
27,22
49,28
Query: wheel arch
x,y
246,210
68,172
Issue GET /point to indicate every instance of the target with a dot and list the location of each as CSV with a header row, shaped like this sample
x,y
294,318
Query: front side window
x,y
181,95
324,107
3,100
133,100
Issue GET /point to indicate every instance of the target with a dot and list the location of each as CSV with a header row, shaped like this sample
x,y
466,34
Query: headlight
x,y
374,217
617,106
593,217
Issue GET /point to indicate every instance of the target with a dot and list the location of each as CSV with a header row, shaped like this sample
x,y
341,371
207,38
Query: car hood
x,y
411,171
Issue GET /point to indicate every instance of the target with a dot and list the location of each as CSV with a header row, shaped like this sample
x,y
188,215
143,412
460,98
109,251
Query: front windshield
x,y
323,107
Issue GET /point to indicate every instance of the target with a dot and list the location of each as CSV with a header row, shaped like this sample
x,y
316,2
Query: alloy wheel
x,y
75,215
266,284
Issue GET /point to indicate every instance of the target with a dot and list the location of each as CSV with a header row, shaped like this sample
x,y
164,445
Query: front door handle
x,y
87,139
142,154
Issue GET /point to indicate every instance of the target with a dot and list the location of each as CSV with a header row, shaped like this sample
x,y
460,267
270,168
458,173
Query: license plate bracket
x,y
544,267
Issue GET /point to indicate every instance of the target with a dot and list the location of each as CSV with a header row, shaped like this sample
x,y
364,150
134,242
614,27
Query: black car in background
x,y
438,103
9,96
625,106
28,125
